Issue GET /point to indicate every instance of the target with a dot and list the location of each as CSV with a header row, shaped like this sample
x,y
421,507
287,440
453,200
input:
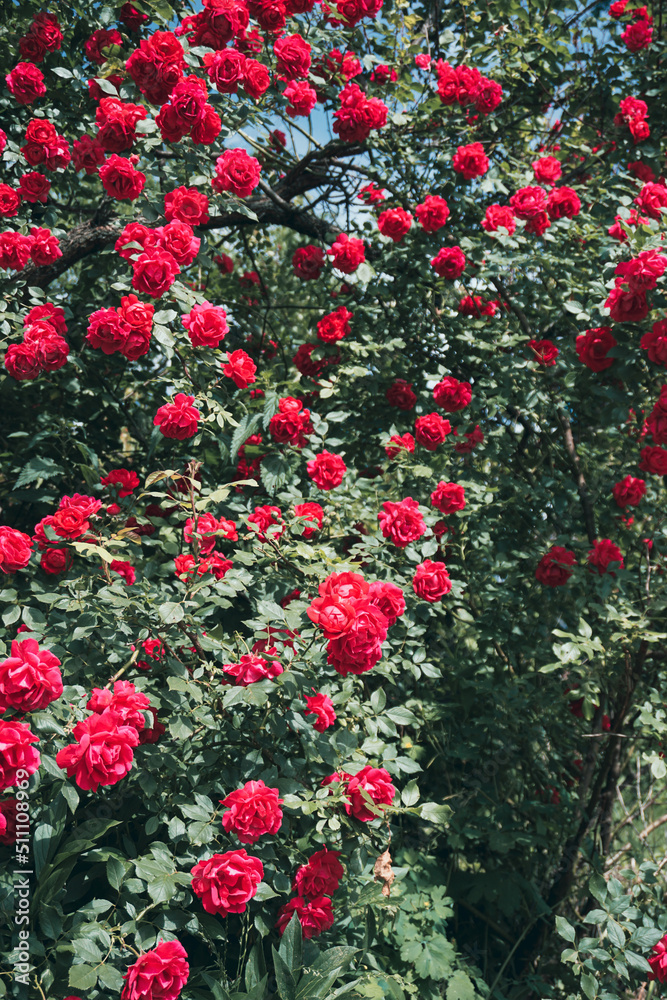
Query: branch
x,y
582,489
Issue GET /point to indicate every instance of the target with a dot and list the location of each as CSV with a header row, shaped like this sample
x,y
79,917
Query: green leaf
x,y
291,944
274,471
246,428
565,929
40,467
82,977
171,613
589,985
460,987
410,794
598,888
284,978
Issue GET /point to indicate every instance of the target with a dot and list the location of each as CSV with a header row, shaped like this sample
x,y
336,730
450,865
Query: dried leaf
x,y
383,873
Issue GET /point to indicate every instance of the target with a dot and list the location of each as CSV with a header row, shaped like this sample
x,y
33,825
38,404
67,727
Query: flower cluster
x,y
44,348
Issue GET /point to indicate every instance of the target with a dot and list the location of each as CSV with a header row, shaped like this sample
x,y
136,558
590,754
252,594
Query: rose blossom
x,y
448,497
158,974
431,430
603,554
401,522
226,883
629,491
431,581
432,213
322,707
178,419
320,876
314,916
251,669
16,753
29,678
326,470
236,172
553,568
252,812
102,754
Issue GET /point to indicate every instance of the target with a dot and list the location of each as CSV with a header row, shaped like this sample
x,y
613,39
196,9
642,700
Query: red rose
x,y
126,703
563,202
178,239
256,78
388,598
360,647
291,425
642,272
321,706
302,98
398,443
347,253
131,17
267,517
102,754
29,678
10,201
252,812
225,69
334,326
651,199
45,247
653,460
497,217
293,55
314,916
321,875
431,430
55,561
528,202
158,974
154,272
547,170
102,44
593,347
394,223
251,669
626,305
26,83
120,180
544,352
432,213
124,480
15,549
21,362
227,882
333,614
51,352
310,512
431,581
88,155
186,205
448,497
637,36
401,522
34,187
326,470
107,330
54,315
450,263
658,960
240,368
400,395
308,262
179,419
236,172
603,554
14,250
206,325
16,753
552,569
470,161
629,491
8,812
655,342
371,782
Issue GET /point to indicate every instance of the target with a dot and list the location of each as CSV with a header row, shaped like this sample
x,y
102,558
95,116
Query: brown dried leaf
x,y
383,873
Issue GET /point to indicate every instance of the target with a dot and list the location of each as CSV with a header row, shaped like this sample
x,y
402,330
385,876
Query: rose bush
x,y
331,517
